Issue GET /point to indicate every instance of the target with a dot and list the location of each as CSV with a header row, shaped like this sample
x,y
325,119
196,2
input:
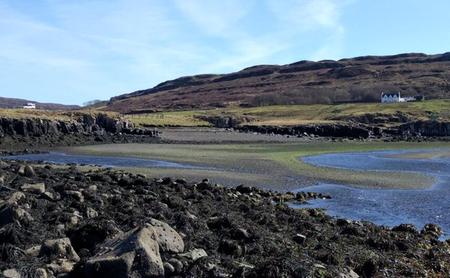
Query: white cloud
x,y
312,16
307,14
134,44
215,17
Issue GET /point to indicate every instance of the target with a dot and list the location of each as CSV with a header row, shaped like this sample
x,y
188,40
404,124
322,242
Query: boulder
x,y
168,239
77,195
15,197
194,254
29,171
131,254
11,273
59,249
61,266
432,230
348,273
10,213
91,213
40,273
36,188
409,228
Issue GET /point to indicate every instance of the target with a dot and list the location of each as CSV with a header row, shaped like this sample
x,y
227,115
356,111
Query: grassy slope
x,y
268,115
274,165
46,114
297,114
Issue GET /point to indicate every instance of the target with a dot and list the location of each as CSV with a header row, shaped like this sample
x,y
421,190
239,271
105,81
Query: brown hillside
x,y
12,103
304,82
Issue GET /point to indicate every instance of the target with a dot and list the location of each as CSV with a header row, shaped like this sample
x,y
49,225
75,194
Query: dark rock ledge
x,y
33,133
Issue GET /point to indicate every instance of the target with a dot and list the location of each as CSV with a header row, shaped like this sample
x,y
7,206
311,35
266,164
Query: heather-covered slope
x,y
304,82
18,103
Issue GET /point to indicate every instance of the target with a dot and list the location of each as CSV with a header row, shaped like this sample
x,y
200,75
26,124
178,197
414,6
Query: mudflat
x,y
275,166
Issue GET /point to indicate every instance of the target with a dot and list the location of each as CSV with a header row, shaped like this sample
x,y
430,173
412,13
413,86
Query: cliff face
x,y
304,82
39,127
416,129
426,129
85,129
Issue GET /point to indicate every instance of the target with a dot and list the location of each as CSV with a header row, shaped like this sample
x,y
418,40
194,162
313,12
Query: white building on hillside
x,y
30,105
391,97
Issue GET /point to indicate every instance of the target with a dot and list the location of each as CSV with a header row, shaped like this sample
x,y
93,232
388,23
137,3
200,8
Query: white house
x,y
30,105
391,97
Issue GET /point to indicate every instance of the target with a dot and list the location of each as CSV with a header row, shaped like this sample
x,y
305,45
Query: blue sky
x,y
72,51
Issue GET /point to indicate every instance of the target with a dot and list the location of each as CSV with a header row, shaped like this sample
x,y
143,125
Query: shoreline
x,y
218,230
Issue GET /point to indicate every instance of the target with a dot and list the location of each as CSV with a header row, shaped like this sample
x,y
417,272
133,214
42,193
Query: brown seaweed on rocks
x,y
110,223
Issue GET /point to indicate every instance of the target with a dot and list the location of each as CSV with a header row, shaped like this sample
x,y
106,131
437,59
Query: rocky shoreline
x,y
411,131
82,129
70,222
367,126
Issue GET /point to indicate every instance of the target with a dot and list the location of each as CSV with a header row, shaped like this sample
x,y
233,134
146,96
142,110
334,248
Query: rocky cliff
x,y
322,130
409,130
83,128
426,129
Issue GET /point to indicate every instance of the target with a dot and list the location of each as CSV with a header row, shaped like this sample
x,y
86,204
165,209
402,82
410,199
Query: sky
x,y
73,51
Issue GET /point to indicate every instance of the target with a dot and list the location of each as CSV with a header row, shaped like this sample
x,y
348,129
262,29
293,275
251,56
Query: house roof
x,y
390,94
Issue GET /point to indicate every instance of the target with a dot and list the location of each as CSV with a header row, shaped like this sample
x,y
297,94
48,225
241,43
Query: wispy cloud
x,y
114,46
216,17
307,14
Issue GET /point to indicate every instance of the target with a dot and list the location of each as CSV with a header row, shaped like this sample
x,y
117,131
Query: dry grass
x,y
48,114
298,114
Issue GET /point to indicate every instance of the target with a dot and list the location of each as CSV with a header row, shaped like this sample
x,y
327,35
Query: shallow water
x,y
104,161
386,206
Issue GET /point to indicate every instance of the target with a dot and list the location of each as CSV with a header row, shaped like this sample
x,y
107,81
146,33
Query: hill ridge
x,y
355,79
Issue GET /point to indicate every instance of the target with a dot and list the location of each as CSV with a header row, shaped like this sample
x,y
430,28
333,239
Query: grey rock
x,y
33,251
11,273
11,213
61,266
177,264
194,254
77,195
348,273
131,254
29,171
59,249
21,170
36,188
168,239
91,213
48,196
168,269
15,197
40,273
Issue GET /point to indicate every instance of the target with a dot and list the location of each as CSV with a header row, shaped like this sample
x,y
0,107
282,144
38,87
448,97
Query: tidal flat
x,y
276,166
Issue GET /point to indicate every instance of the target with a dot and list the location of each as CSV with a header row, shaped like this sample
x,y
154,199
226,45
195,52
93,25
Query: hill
x,y
17,103
305,82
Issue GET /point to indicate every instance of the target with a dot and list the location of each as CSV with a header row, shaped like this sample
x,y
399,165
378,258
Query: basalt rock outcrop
x,y
363,127
84,128
425,129
151,227
223,121
322,130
